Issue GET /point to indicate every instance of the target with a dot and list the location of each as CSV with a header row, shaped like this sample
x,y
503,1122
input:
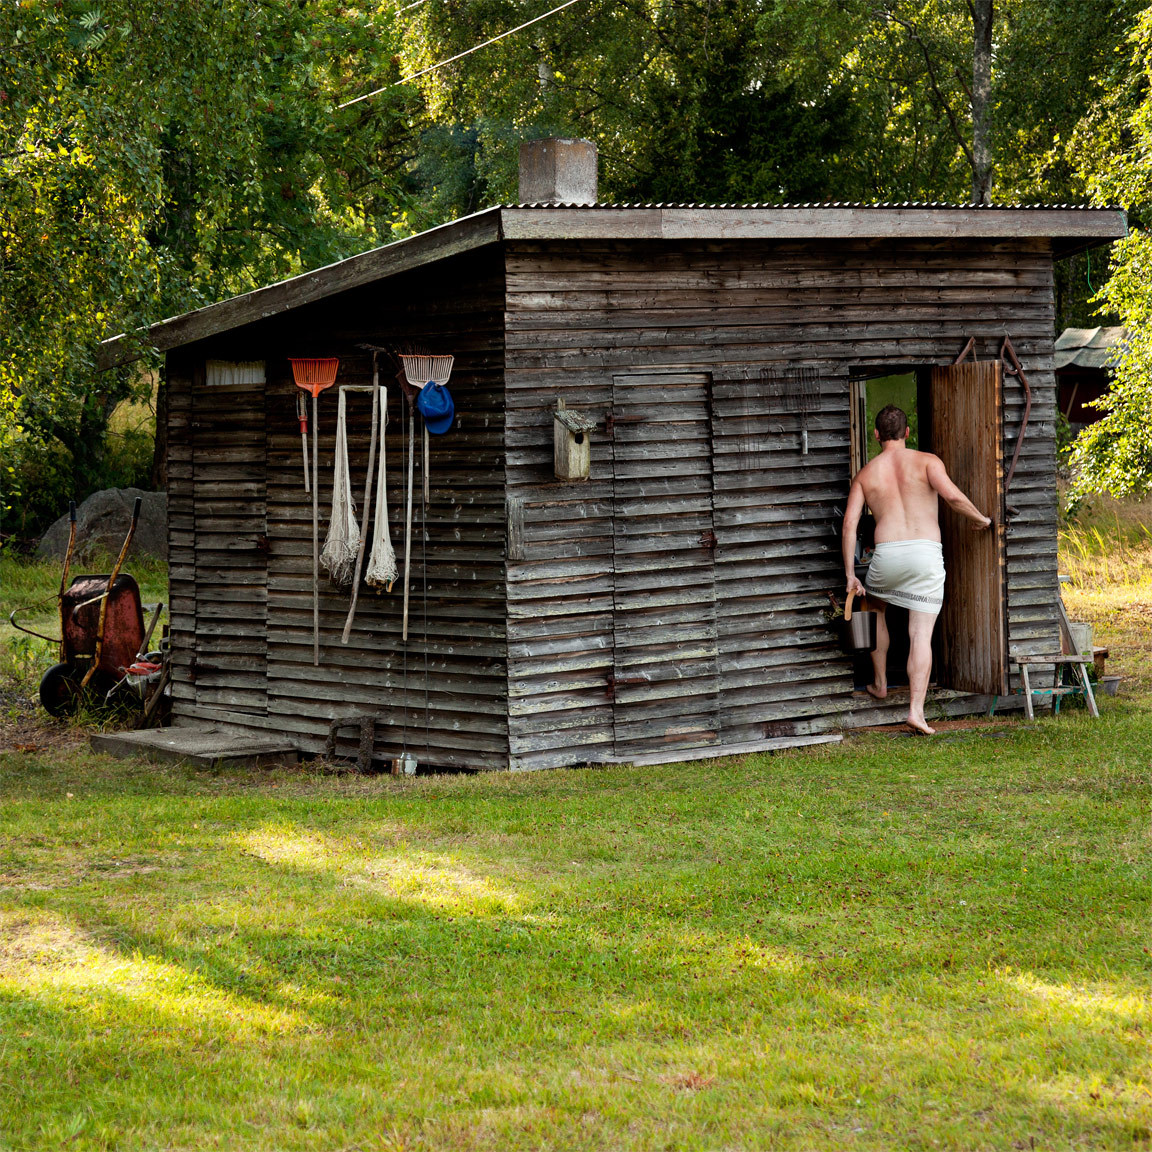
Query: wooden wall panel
x,y
443,695
229,473
181,375
579,313
665,683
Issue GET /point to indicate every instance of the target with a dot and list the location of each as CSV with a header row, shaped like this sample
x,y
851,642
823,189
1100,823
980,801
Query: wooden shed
x,y
675,603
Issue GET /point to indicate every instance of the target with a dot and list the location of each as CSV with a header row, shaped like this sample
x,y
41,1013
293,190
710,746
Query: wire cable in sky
x,y
458,56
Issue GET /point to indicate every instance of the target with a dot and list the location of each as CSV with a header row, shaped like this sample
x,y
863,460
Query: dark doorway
x,y
909,389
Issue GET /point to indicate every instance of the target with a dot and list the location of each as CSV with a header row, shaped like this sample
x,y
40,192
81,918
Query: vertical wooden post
x,y
315,531
408,513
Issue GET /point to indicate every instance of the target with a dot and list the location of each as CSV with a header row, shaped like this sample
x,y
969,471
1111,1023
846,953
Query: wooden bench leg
x,y
1088,694
1027,692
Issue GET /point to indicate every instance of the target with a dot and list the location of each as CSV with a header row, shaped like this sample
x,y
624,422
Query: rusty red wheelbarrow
x,y
103,640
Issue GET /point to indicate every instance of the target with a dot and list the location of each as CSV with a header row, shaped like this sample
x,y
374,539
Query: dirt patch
x,y
26,727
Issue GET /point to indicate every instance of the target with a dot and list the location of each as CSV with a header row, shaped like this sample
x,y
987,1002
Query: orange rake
x,y
314,376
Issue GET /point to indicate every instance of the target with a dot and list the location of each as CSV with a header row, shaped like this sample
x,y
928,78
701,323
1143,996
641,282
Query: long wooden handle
x,y
302,416
315,534
424,468
408,515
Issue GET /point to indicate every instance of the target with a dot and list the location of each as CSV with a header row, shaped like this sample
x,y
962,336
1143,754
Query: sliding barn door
x,y
968,435
664,682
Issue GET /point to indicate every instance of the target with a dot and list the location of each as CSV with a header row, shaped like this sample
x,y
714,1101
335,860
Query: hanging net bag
x,y
382,570
343,540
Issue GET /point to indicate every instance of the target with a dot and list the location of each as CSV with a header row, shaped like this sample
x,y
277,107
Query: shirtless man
x,y
901,487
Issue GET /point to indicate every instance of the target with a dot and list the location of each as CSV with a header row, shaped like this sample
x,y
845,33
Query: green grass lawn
x,y
889,944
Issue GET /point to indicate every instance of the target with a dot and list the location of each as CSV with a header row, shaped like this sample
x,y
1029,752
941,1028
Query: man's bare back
x,y
897,487
902,487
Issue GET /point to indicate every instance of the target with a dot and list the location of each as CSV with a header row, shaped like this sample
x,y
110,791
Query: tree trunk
x,y
158,479
981,99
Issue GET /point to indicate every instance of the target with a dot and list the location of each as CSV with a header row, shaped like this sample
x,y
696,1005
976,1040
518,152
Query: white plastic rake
x,y
420,369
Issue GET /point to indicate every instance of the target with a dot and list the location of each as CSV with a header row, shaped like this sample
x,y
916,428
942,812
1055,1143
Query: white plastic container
x,y
1082,636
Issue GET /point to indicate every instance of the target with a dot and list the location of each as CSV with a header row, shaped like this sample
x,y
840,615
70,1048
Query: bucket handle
x,y
848,605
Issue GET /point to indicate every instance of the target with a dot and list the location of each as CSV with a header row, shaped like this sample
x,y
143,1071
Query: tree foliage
x,y
158,157
1114,146
771,100
154,158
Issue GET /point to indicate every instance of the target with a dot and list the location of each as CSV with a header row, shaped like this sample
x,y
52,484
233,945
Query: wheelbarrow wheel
x,y
60,690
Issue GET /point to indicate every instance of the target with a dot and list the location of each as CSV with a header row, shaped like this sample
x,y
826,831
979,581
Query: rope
x,y
382,570
343,540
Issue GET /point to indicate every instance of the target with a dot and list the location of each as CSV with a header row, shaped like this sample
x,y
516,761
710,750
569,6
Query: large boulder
x,y
102,523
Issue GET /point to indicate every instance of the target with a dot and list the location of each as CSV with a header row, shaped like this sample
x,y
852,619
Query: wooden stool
x,y
1058,661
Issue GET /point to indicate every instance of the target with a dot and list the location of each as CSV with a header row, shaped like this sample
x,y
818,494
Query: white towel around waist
x,y
909,574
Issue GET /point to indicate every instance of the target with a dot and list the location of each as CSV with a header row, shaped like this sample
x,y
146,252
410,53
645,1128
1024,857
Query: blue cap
x,y
435,404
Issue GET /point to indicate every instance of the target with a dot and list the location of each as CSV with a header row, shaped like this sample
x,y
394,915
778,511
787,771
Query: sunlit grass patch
x,y
1107,552
43,957
439,881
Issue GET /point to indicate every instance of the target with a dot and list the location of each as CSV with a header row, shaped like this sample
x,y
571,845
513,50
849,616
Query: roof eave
x,y
1069,229
462,235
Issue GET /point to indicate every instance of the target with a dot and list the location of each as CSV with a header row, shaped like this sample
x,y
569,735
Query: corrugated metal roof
x,y
1090,347
837,204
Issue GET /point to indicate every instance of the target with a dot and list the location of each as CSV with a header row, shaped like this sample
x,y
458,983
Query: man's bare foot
x,y
919,724
879,693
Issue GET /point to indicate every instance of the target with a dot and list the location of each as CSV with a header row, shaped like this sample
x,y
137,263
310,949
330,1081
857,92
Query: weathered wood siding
x,y
581,315
229,500
542,595
443,695
181,531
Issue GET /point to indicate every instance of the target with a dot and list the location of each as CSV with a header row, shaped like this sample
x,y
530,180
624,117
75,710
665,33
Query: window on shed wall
x,y
223,372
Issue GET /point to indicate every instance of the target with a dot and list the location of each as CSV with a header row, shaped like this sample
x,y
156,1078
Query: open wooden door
x,y
968,435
